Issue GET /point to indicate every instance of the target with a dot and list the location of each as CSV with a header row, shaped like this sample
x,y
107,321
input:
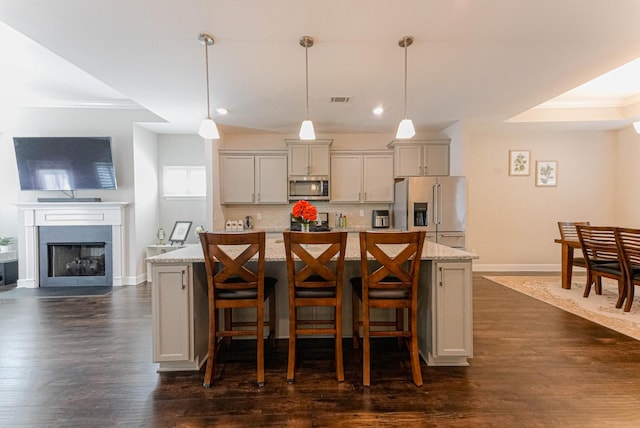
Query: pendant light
x,y
306,129
405,129
208,128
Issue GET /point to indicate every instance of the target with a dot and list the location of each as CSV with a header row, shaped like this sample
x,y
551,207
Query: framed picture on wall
x,y
519,161
546,173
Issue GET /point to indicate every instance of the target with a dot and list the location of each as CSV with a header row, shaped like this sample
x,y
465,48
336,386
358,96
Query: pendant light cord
x,y
306,66
405,77
206,56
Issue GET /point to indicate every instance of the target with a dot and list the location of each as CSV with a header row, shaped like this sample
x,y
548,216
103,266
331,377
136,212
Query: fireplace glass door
x,y
84,259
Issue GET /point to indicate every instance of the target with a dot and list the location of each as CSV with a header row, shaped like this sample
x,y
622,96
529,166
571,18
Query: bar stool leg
x,y
291,365
337,311
260,345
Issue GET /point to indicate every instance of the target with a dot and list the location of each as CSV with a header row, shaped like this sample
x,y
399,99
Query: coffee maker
x,y
380,219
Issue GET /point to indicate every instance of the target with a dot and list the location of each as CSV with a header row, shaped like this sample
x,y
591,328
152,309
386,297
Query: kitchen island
x,y
180,312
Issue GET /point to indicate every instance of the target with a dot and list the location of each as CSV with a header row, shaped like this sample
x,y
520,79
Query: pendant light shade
x,y
306,129
405,129
636,126
208,128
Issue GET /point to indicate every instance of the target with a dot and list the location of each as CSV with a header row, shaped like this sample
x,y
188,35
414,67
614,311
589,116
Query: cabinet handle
x,y
183,282
440,270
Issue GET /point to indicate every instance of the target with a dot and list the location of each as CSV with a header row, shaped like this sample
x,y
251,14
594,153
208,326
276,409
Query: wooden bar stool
x,y
391,281
315,267
235,276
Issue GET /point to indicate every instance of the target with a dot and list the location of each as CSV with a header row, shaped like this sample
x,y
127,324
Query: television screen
x,y
65,163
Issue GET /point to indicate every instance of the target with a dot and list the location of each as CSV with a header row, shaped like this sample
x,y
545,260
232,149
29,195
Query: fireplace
x,y
84,251
75,255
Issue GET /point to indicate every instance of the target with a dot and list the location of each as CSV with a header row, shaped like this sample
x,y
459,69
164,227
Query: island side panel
x,y
448,318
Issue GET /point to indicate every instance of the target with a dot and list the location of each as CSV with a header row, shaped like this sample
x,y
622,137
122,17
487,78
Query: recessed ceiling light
x,y
222,110
378,111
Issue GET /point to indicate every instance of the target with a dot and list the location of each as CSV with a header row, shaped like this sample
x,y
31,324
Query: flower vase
x,y
304,227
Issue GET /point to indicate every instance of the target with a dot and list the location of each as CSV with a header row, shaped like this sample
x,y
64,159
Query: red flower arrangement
x,y
304,212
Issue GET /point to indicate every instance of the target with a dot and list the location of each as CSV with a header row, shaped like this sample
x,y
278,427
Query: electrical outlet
x,y
361,213
259,216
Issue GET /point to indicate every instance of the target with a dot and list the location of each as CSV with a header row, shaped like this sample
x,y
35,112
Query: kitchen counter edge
x,y
274,251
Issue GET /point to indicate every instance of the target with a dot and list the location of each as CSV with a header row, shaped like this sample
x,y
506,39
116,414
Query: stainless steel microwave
x,y
309,188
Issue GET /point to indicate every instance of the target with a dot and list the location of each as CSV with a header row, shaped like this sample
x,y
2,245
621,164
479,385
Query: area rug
x,y
55,292
600,309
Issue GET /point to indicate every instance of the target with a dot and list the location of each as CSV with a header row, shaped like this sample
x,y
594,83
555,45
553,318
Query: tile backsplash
x,y
277,217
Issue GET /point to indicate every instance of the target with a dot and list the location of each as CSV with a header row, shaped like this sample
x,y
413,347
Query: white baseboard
x,y
516,268
522,268
135,280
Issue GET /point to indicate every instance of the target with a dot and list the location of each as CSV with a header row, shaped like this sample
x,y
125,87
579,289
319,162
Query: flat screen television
x,y
64,163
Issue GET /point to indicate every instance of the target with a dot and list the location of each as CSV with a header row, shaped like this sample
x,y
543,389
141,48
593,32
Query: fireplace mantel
x,y
34,215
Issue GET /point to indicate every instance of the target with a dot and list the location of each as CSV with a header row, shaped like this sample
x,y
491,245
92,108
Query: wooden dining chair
x,y
600,250
235,275
389,280
629,248
315,267
568,232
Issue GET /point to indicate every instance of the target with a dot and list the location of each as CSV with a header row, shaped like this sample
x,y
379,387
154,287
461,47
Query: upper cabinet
x,y
253,178
421,158
361,177
309,158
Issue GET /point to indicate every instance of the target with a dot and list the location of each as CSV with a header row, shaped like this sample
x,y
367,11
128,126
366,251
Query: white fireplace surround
x,y
35,215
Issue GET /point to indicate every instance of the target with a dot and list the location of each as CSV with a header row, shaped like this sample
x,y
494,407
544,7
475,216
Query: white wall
x,y
8,188
255,141
628,178
145,209
512,222
182,150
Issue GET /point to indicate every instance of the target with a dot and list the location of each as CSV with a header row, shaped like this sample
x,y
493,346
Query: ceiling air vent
x,y
340,99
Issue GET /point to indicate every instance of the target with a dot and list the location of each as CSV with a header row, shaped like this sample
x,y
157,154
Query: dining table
x,y
568,246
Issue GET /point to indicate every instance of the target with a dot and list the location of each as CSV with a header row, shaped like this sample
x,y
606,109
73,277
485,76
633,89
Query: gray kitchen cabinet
x,y
449,318
308,158
178,311
421,158
253,178
362,177
154,250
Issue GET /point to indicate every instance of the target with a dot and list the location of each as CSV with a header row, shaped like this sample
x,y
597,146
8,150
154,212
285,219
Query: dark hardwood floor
x,y
86,362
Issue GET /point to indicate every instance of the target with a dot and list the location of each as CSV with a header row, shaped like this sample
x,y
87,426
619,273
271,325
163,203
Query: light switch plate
x,y
259,216
361,213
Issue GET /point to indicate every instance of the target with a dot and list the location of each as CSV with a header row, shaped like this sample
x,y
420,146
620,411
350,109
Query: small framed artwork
x,y
546,173
180,232
519,161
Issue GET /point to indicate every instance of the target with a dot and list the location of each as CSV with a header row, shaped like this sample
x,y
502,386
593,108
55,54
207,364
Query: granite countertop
x,y
274,252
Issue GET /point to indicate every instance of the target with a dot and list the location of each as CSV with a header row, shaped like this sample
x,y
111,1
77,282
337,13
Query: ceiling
x,y
485,60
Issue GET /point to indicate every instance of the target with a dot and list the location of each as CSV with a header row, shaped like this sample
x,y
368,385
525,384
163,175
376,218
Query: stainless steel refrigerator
x,y
437,205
